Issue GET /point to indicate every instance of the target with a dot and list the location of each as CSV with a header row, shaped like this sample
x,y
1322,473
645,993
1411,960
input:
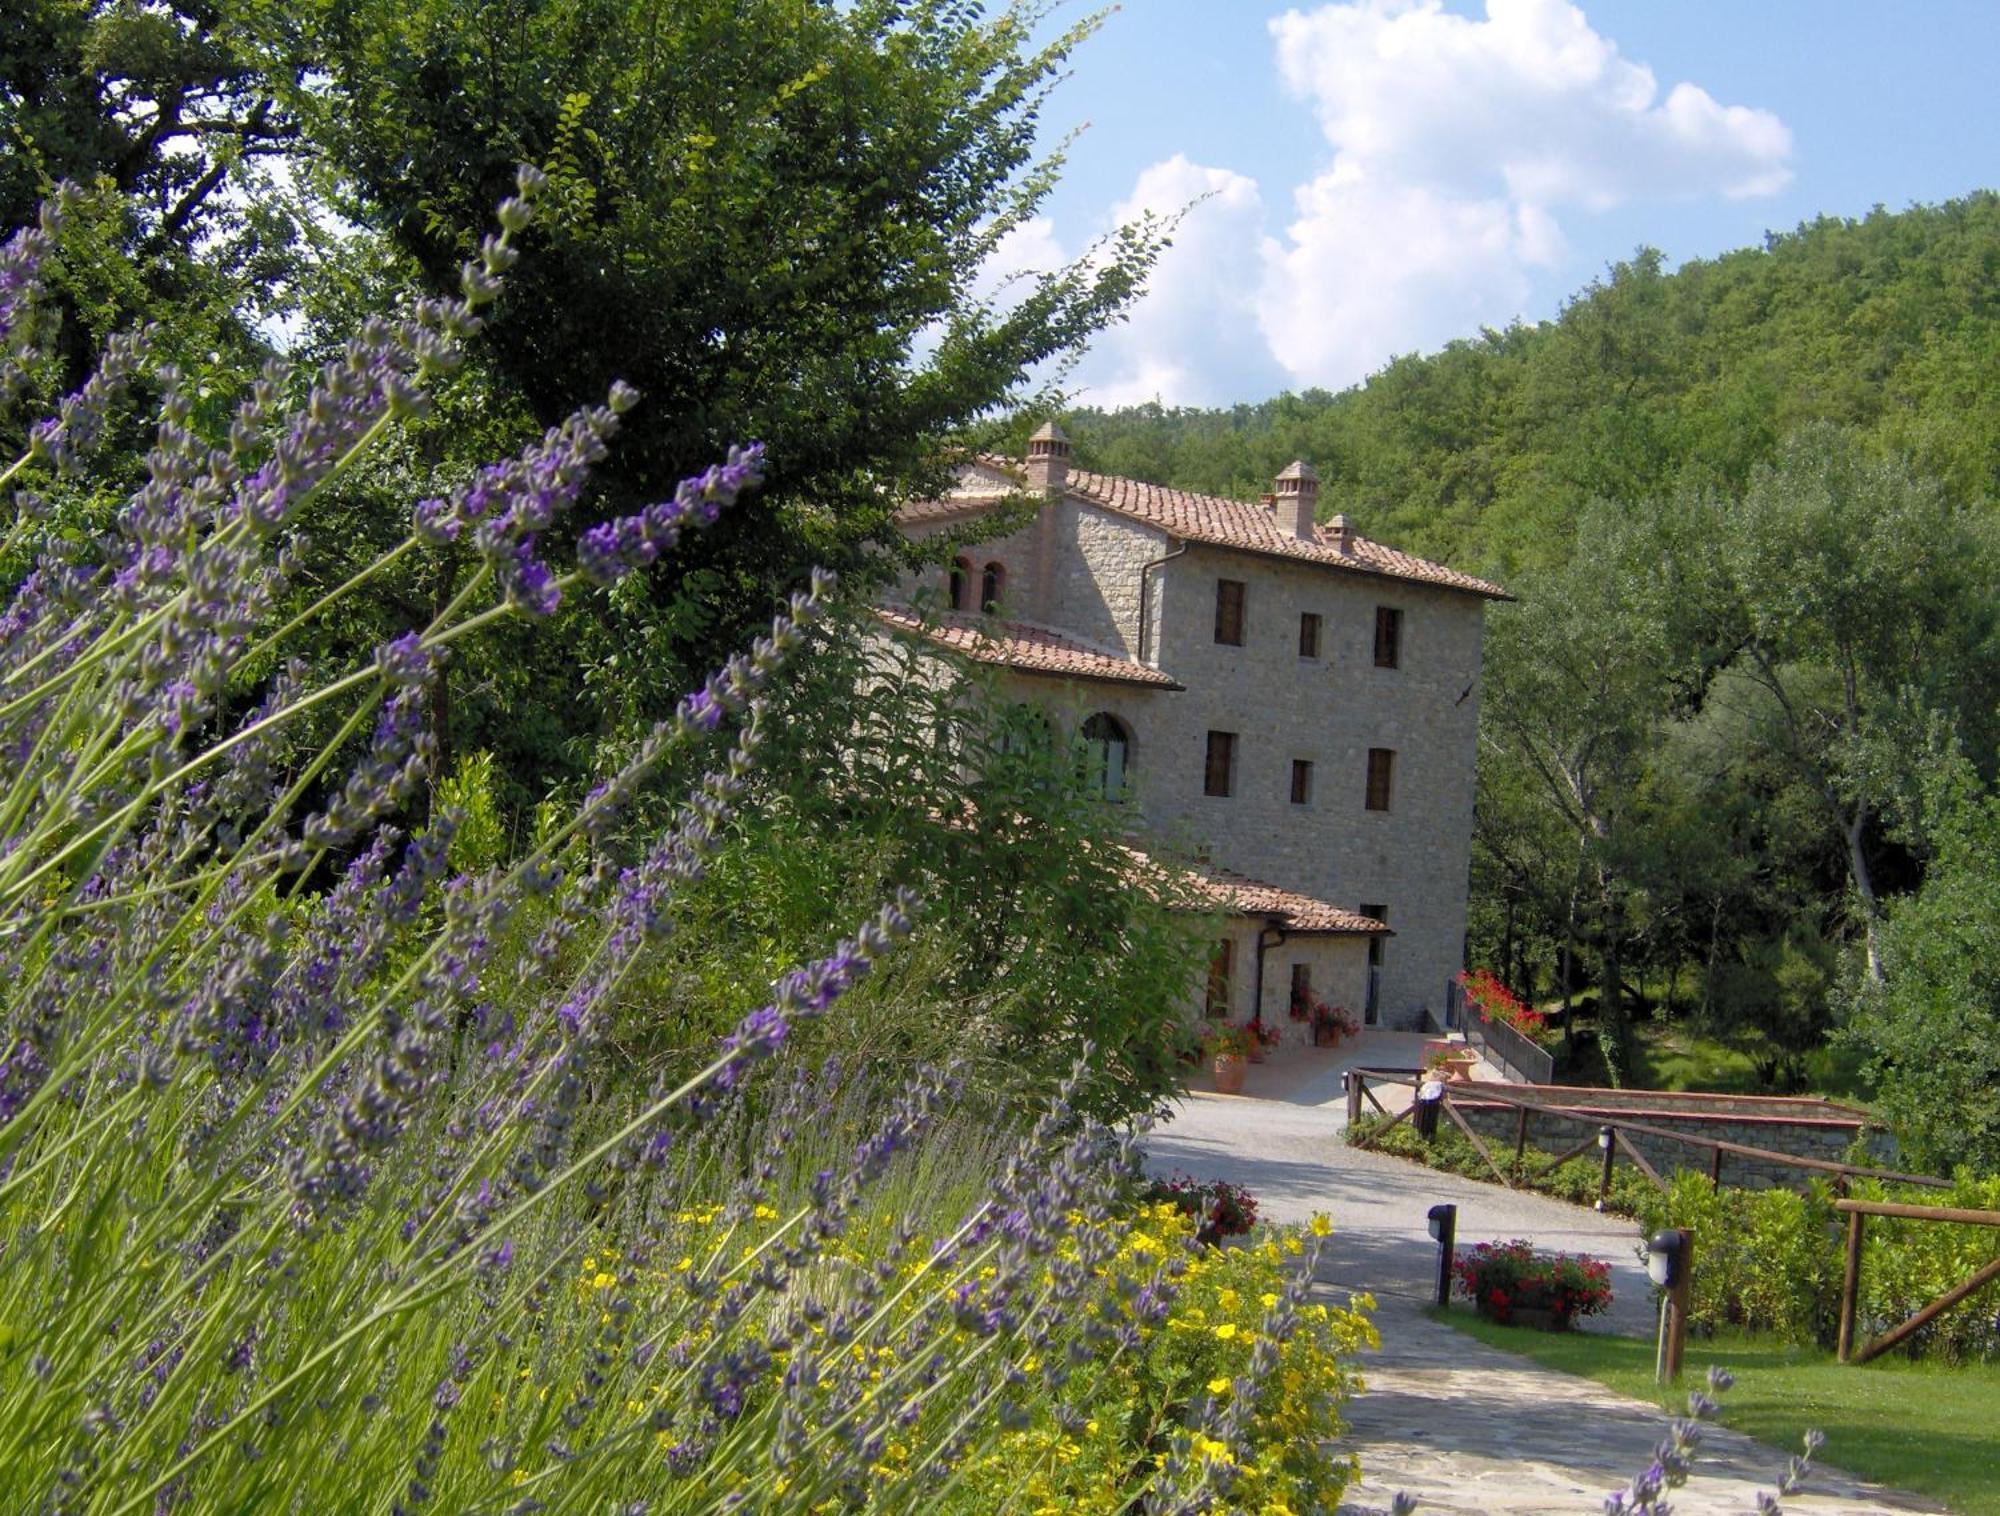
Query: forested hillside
x,y
1742,721
1485,452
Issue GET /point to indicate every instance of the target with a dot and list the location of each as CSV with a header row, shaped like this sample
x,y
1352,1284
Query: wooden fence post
x,y
1521,1138
1850,1287
1353,1081
1680,1300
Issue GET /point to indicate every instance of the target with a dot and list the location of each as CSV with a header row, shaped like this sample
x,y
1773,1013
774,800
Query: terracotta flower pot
x,y
1228,1069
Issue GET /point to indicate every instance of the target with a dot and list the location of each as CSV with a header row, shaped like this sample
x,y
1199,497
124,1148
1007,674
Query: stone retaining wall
x,y
1803,1128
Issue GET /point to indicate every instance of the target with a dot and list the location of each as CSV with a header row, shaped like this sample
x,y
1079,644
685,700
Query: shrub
x,y
1905,1264
1575,1180
1763,1259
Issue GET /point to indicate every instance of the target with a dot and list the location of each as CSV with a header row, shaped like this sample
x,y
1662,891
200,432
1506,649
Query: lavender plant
x,y
313,1191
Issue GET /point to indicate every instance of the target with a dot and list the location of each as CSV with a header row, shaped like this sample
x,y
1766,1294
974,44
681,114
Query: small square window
x,y
1302,781
1388,637
1216,1002
1229,612
1302,989
1381,769
1309,635
1219,776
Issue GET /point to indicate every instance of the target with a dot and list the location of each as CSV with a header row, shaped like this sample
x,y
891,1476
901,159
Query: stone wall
x,y
1077,567
1414,858
1802,1128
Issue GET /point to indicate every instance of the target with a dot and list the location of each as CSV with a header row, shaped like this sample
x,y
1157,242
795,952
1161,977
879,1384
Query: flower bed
x,y
1511,1282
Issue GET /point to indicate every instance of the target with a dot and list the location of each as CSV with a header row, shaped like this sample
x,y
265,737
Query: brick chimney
x,y
1342,533
1048,460
1298,497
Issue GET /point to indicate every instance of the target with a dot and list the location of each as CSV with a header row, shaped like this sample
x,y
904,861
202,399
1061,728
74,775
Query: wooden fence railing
x,y
1850,1288
1611,1135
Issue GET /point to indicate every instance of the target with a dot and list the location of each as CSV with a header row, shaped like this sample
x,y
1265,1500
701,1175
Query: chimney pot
x,y
1048,460
1342,532
1297,500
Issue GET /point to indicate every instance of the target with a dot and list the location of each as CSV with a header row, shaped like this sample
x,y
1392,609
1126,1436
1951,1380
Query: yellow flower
x,y
765,1213
603,1281
1226,1331
1219,1385
1320,1225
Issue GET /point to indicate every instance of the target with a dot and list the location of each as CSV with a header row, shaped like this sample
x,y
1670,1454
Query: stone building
x,y
1281,697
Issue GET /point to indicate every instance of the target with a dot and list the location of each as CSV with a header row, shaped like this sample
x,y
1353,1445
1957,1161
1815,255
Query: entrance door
x,y
1371,1011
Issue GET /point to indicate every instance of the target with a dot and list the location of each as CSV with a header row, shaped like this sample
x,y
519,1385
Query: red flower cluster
x,y
1493,1000
1502,1277
1219,1209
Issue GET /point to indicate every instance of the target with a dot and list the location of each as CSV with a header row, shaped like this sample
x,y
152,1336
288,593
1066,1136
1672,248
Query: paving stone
x,y
1462,1426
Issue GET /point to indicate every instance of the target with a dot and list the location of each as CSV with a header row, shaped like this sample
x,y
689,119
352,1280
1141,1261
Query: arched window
x,y
1108,747
961,584
992,585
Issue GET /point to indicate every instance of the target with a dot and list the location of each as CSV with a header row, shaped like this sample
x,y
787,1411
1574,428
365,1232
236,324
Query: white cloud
x,y
1459,143
1194,339
1457,148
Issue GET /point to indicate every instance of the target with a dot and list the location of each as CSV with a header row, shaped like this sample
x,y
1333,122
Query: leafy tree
x,y
1867,602
1932,1026
767,215
887,762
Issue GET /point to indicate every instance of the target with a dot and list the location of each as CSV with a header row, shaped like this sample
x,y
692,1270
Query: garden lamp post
x,y
1444,1227
1670,1265
1607,1140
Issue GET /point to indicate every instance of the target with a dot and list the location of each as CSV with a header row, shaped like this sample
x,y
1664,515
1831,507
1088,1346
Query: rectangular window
x,y
1219,964
1381,769
1302,781
1229,611
1309,635
1219,777
1388,637
1302,988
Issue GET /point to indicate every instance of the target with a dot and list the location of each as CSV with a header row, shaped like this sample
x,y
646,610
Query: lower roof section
x,y
1226,890
1024,647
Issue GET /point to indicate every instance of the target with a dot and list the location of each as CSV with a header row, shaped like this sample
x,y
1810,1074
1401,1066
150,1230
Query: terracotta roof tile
x,y
1222,522
1024,647
1228,890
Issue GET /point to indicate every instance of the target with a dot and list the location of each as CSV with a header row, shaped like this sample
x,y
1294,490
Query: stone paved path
x,y
1467,1428
1464,1427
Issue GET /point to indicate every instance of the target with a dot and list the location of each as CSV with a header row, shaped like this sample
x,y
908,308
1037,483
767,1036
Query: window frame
x,y
1221,969
1311,628
992,587
1381,783
1231,611
958,582
1302,986
1099,744
1388,636
1302,781
1221,745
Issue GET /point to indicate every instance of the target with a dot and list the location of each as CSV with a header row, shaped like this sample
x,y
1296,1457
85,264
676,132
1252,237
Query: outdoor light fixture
x,y
1666,1256
1604,1138
1669,1264
1444,1227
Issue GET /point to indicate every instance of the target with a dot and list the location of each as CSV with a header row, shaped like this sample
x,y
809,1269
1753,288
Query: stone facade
x,y
1096,571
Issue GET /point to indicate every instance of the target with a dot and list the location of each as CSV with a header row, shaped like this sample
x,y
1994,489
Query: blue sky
x,y
1384,175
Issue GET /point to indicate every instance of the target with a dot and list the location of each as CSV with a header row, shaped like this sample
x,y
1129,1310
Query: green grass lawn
x,y
1674,1056
1923,1427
